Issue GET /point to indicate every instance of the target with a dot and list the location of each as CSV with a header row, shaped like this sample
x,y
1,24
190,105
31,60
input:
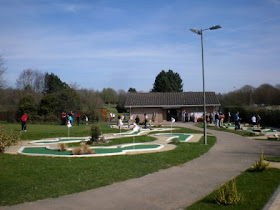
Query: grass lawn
x,y
39,131
26,178
273,159
255,187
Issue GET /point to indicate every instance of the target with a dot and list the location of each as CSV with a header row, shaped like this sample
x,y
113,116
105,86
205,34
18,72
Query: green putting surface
x,y
45,151
179,136
230,126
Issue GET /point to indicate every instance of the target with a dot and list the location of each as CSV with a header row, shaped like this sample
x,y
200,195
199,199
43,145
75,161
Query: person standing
x,y
222,119
145,120
253,119
23,122
137,120
63,116
258,120
78,115
183,115
130,121
120,123
70,119
236,121
217,117
211,118
86,118
186,117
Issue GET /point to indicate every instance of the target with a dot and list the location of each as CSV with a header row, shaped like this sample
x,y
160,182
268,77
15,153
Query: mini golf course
x,y
45,148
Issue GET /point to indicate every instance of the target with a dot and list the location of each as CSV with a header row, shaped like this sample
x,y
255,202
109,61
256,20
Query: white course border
x,y
54,140
173,137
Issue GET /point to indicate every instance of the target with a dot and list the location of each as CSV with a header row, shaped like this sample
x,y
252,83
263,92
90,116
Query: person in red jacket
x,y
78,115
23,122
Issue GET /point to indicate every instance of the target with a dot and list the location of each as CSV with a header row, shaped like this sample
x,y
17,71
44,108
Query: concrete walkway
x,y
173,188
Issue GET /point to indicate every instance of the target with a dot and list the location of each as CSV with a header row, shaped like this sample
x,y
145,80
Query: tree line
x,y
44,96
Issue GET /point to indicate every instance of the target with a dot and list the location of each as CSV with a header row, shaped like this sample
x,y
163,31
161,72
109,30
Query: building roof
x,y
171,99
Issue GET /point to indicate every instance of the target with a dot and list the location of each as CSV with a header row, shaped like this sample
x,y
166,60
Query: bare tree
x,y
90,100
2,71
31,79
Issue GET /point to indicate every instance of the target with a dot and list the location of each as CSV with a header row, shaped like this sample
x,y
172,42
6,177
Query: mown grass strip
x,y
255,187
25,178
40,131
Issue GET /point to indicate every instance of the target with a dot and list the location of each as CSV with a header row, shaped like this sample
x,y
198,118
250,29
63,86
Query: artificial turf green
x,y
181,137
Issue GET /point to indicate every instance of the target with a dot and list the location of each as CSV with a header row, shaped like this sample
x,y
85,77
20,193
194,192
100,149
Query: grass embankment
x,y
273,159
26,178
256,189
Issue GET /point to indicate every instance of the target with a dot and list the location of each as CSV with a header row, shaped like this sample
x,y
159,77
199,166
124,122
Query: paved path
x,y
172,188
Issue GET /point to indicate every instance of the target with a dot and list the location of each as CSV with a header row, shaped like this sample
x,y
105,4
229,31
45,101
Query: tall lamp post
x,y
200,32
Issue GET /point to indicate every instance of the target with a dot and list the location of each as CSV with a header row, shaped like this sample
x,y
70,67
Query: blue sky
x,y
126,43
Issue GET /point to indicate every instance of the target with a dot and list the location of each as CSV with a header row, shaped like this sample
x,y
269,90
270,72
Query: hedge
x,y
270,116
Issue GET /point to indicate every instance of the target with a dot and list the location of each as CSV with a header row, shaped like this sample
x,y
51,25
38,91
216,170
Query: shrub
x,y
95,133
7,139
260,165
227,194
83,149
62,147
76,151
86,149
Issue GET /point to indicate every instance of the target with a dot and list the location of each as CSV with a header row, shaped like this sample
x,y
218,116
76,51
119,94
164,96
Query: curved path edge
x,y
172,188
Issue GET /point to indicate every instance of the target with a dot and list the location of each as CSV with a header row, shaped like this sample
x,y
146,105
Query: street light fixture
x,y
200,32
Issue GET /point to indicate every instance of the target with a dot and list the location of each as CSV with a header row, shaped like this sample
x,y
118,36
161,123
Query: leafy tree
x,y
122,95
109,95
53,84
168,82
57,102
132,90
27,105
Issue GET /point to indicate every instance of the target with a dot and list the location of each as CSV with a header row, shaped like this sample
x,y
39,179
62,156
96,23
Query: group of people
x,y
135,122
186,117
65,118
256,120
